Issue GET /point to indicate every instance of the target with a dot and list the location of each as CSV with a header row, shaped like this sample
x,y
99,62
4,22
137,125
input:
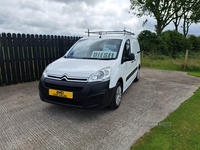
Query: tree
x,y
167,11
148,41
191,14
162,10
178,13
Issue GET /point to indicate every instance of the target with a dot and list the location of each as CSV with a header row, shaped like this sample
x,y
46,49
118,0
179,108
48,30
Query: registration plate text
x,y
60,93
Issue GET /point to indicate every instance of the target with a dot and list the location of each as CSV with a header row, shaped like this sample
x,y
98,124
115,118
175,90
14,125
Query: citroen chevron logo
x,y
64,77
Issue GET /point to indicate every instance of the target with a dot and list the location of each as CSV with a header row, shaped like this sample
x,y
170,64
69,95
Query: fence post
x,y
186,58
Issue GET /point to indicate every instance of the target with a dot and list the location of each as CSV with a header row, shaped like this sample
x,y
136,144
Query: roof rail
x,y
124,32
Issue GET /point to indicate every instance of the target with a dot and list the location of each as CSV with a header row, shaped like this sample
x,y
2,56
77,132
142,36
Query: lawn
x,y
184,132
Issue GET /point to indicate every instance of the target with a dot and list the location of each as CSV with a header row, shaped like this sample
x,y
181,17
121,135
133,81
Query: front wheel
x,y
116,100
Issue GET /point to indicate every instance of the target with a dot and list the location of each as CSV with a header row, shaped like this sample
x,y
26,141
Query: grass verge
x,y
185,121
196,74
168,63
184,132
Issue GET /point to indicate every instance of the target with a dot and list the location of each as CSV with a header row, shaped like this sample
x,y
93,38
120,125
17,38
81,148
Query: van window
x,y
126,50
95,49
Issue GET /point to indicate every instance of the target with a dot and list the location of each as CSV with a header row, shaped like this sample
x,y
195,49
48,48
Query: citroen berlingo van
x,y
94,72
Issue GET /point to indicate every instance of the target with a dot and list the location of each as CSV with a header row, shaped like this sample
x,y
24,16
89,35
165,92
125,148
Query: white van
x,y
94,72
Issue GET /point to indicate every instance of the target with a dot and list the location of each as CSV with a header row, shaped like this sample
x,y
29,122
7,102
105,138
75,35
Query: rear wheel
x,y
116,100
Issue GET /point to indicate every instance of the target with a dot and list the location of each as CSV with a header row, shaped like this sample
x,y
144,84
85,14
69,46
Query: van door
x,y
128,67
137,52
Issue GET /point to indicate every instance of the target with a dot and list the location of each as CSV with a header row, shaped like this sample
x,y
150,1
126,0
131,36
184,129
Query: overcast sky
x,y
71,17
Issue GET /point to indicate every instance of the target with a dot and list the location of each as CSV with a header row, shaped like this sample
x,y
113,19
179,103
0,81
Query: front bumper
x,y
85,95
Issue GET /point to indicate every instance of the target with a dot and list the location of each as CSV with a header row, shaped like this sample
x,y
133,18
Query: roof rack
x,y
124,32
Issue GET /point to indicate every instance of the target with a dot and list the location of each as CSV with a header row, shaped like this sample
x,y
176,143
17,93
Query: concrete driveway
x,y
27,123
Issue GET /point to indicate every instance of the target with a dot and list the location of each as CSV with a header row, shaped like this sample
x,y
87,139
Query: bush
x,y
148,41
195,43
176,42
169,43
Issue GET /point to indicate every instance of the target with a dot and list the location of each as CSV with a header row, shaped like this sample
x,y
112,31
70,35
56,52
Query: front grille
x,y
65,88
66,78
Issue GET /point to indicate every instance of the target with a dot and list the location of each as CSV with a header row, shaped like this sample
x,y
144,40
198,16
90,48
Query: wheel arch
x,y
121,81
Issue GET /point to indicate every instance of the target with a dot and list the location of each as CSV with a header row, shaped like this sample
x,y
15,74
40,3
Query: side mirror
x,y
130,57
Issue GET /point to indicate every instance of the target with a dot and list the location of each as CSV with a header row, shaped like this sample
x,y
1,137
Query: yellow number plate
x,y
59,93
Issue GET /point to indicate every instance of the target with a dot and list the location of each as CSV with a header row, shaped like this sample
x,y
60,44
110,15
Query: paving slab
x,y
27,123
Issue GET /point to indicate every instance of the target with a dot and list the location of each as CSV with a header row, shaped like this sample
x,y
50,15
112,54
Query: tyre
x,y
117,96
137,78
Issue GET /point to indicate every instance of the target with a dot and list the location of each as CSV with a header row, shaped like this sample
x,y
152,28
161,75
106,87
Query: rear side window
x,y
96,49
127,49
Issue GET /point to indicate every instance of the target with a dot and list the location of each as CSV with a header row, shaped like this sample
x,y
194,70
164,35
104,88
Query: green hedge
x,y
169,43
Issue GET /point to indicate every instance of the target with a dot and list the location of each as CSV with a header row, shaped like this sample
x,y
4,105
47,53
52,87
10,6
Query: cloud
x,y
68,17
87,2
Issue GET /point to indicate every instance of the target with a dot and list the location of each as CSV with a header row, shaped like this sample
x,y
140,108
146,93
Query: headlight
x,y
101,75
45,71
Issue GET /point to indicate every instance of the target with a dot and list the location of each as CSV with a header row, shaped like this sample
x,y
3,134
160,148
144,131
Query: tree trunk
x,y
158,28
176,26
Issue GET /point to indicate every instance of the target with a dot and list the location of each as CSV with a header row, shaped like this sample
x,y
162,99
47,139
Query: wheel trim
x,y
118,95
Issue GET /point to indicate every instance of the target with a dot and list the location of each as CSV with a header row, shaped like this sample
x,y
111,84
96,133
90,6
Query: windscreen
x,y
95,49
